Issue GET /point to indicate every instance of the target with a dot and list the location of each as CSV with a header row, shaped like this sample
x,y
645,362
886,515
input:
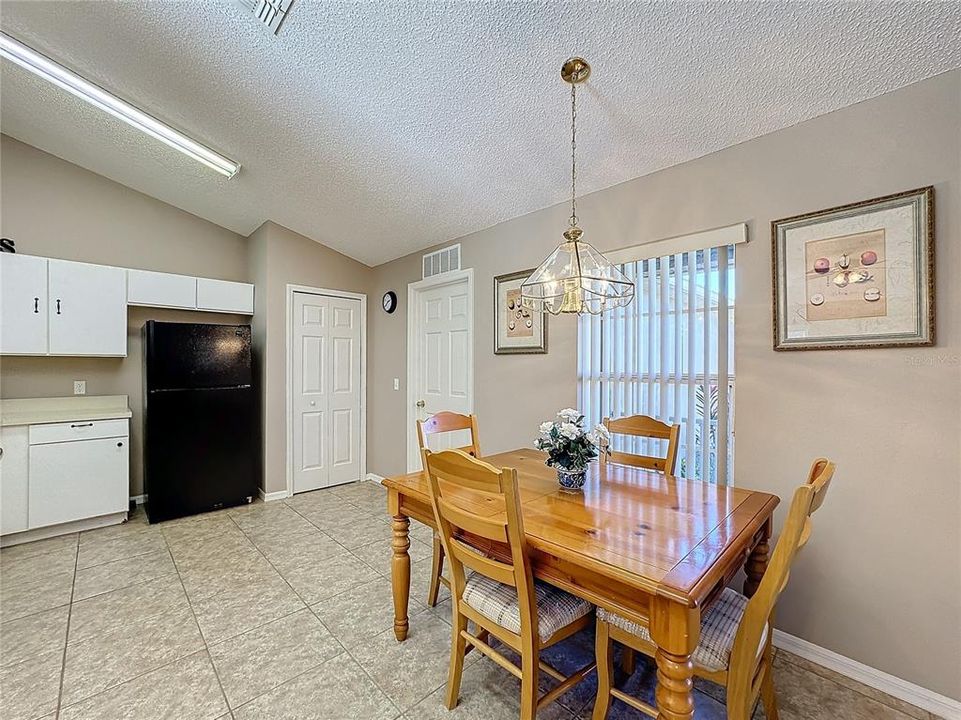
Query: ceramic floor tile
x,y
360,532
321,578
318,501
783,657
804,695
271,521
18,600
289,551
98,552
362,492
487,692
38,567
139,647
33,635
379,553
219,574
337,690
257,661
420,573
422,532
121,573
239,609
198,528
336,514
186,689
62,544
356,616
121,608
411,670
206,552
137,524
28,689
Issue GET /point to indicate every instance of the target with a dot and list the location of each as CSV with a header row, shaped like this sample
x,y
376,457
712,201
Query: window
x,y
670,355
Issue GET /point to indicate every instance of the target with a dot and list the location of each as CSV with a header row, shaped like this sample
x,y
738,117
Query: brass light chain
x,y
573,153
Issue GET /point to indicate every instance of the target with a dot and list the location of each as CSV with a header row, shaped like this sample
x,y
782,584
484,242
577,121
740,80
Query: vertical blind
x,y
669,355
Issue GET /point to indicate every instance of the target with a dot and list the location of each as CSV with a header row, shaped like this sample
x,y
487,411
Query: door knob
x,y
312,403
420,403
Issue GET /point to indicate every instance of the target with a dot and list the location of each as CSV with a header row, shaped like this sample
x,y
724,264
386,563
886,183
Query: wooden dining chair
x,y
644,426
735,648
500,597
443,422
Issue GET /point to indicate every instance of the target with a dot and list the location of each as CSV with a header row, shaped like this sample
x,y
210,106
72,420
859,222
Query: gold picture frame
x,y
856,276
518,330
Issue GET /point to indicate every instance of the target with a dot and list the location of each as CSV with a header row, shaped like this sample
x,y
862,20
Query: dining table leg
x,y
756,564
675,629
399,565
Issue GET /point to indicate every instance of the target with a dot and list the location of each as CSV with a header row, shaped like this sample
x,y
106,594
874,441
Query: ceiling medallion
x,y
576,278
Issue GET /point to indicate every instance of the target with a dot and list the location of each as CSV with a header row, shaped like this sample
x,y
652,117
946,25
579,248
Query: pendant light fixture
x,y
576,278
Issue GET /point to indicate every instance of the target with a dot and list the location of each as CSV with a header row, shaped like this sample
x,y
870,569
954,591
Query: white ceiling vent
x,y
441,261
269,13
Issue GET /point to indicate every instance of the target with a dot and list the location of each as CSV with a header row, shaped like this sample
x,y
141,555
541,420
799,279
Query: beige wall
x,y
279,257
55,209
881,580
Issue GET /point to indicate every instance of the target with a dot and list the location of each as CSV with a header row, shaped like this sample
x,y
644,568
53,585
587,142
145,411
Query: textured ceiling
x,y
382,128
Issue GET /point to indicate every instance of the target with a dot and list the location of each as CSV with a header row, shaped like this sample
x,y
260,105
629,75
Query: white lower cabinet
x,y
63,472
13,479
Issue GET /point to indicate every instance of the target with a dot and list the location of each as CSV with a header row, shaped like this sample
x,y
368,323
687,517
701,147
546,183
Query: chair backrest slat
x,y
759,613
644,426
445,422
472,523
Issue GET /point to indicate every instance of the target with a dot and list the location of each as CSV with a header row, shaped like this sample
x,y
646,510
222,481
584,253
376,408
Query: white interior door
x,y
440,374
326,401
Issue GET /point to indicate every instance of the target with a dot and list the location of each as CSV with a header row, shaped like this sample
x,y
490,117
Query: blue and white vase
x,y
571,480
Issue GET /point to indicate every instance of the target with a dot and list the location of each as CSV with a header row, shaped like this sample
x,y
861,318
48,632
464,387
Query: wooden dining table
x,y
653,548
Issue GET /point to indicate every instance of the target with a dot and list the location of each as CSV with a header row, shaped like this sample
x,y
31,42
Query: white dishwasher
x,y
78,470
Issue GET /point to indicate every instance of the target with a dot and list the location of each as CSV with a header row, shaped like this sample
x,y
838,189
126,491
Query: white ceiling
x,y
382,128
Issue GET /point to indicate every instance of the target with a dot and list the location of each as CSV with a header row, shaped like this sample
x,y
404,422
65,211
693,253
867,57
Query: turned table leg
x,y
400,571
675,629
756,564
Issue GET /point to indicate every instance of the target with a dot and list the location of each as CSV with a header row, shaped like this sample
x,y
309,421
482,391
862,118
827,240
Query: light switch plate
x,y
396,383
79,387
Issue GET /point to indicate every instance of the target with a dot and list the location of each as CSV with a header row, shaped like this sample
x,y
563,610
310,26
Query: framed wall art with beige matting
x,y
856,276
517,329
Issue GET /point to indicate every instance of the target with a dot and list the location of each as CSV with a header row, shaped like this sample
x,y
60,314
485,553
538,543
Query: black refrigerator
x,y
201,447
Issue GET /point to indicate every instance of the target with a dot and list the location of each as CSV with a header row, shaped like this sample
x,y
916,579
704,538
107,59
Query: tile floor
x,y
281,611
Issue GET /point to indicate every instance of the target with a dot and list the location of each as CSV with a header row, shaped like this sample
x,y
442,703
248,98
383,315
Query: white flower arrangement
x,y
569,447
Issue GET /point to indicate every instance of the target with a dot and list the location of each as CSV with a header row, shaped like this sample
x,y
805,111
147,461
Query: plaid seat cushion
x,y
556,609
718,628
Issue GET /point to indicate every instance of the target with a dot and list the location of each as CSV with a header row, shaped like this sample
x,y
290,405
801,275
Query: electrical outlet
x,y
396,383
79,387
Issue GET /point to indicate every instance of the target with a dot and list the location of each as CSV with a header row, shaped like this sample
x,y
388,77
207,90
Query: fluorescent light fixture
x,y
44,67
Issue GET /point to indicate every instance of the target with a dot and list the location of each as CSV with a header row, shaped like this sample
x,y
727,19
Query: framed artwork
x,y
856,276
517,329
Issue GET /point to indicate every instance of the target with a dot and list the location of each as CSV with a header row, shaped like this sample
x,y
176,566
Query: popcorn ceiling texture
x,y
378,129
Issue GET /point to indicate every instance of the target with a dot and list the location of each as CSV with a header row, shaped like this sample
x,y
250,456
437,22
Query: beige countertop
x,y
37,411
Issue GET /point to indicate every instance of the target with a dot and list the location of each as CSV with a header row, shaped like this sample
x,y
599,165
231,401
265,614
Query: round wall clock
x,y
390,301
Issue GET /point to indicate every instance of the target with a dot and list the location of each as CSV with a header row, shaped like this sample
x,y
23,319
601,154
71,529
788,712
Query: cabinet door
x,y
76,480
23,304
225,296
13,479
88,309
156,289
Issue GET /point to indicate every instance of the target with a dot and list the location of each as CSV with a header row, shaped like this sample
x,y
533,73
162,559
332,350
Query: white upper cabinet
x,y
23,305
157,289
87,309
225,296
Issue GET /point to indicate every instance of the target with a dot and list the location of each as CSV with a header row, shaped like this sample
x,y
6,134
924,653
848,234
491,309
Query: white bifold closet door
x,y
326,390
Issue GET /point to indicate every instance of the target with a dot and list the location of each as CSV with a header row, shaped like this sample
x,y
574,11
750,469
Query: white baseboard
x,y
373,477
940,705
63,529
138,499
272,496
